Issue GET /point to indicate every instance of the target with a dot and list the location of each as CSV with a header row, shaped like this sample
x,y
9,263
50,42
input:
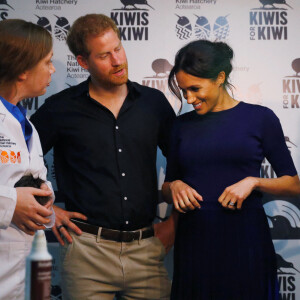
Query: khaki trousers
x,y
96,269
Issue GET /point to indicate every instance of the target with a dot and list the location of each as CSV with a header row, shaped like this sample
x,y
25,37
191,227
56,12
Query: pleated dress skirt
x,y
221,254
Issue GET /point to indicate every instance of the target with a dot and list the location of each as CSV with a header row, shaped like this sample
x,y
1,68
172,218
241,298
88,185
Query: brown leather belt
x,y
115,235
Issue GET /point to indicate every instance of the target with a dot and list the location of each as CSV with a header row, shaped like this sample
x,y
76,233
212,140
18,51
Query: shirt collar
x,y
11,107
83,88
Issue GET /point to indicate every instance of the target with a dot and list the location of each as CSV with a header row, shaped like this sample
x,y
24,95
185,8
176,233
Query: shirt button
x,y
123,174
125,198
117,127
126,222
120,150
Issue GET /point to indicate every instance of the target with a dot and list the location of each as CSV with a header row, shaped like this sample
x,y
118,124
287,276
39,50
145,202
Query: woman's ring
x,y
231,203
59,227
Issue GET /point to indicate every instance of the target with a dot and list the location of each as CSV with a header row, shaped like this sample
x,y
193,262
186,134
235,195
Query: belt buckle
x,y
127,236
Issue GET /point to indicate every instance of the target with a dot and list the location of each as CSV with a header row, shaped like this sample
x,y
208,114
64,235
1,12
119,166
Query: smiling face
x,y
107,62
39,77
203,93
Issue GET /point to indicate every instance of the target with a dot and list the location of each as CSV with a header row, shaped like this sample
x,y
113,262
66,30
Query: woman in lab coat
x,y
25,71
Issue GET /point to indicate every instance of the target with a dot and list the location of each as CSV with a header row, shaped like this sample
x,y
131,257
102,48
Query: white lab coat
x,y
15,161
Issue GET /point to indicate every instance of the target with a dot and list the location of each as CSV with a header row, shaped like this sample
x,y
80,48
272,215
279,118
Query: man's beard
x,y
111,80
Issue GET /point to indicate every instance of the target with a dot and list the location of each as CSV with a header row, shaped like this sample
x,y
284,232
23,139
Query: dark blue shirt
x,y
19,112
213,151
106,167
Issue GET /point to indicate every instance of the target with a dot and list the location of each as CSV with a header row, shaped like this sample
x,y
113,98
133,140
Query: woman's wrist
x,y
255,183
172,184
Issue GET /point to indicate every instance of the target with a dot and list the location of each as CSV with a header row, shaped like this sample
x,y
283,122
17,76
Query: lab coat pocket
x,y
12,271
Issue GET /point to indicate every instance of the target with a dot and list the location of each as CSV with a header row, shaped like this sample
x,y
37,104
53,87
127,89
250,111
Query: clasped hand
x,y
29,215
186,198
234,195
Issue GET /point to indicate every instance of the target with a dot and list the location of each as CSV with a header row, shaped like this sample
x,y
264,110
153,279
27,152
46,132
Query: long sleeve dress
x,y
222,254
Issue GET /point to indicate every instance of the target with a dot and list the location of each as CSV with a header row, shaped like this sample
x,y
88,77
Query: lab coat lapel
x,y
12,127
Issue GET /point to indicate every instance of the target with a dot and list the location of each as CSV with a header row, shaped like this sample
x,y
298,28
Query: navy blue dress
x,y
221,254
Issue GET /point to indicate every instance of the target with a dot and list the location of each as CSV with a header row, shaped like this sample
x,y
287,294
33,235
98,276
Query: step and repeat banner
x,y
264,35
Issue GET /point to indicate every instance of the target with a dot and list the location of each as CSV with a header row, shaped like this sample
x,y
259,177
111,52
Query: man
x,y
105,132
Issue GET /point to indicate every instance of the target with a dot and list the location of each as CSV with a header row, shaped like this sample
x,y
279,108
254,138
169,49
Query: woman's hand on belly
x,y
184,197
234,195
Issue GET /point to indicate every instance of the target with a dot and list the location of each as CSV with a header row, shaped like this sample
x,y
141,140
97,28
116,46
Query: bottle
x,y
38,269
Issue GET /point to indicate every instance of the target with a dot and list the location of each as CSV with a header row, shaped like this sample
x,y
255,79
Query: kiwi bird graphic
x,y
296,66
287,140
202,28
221,28
161,66
281,224
61,28
282,263
183,28
4,2
44,22
134,2
272,2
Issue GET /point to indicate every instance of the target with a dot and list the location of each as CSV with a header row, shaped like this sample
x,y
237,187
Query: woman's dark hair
x,y
204,59
22,45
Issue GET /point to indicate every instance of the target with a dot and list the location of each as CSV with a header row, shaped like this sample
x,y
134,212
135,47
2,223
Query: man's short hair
x,y
90,25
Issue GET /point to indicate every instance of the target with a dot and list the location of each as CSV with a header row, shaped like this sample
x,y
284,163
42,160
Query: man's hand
x,y
29,214
165,231
62,217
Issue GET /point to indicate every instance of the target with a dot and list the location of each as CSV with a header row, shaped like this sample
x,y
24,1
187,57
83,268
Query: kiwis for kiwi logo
x,y
132,19
291,86
269,20
5,8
